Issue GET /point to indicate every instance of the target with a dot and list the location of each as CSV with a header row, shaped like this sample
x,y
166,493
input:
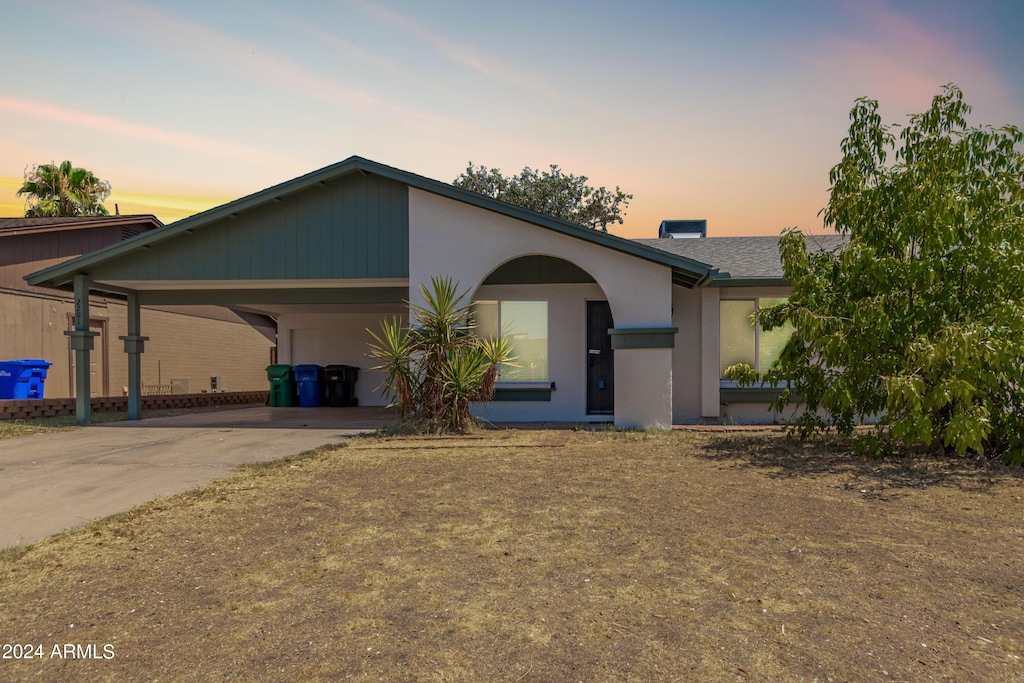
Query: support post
x,y
82,343
134,345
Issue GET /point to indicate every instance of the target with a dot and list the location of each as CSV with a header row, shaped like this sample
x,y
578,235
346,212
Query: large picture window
x,y
525,325
741,341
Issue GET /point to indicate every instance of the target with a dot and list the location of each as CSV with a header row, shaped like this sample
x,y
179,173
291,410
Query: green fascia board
x,y
723,280
644,338
689,271
240,297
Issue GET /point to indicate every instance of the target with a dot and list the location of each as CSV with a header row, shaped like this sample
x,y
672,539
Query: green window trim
x,y
749,395
522,394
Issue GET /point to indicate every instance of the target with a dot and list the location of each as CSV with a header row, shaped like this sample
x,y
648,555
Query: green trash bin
x,y
282,386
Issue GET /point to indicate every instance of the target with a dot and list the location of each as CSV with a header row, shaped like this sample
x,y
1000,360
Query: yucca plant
x,y
394,349
436,366
498,352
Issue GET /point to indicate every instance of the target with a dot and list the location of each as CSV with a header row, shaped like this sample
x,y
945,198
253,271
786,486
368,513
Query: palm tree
x,y
63,190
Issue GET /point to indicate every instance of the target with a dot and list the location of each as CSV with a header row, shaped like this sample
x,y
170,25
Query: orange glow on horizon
x,y
167,207
641,220
11,205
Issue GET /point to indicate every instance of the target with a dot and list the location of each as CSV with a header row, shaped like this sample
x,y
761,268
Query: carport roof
x,y
685,271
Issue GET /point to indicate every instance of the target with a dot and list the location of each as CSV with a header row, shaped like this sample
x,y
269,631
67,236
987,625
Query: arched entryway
x,y
557,318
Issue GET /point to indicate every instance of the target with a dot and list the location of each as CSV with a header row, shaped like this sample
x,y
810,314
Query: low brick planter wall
x,y
48,407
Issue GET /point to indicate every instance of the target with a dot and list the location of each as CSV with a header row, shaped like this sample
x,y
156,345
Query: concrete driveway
x,y
51,482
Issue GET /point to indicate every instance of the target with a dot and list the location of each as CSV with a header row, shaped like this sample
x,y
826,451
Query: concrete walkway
x,y
51,482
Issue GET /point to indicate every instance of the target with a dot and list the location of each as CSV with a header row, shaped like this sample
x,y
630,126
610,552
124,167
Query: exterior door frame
x,y
600,384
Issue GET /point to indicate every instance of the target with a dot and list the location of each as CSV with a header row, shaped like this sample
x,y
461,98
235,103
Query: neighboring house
x,y
188,344
605,328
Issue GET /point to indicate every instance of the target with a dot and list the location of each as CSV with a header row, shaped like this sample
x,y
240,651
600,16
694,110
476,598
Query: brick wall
x,y
49,407
181,346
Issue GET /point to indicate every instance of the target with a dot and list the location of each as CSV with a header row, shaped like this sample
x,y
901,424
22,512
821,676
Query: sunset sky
x,y
729,111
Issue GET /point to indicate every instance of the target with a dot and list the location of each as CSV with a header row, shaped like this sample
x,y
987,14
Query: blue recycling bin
x,y
22,378
311,385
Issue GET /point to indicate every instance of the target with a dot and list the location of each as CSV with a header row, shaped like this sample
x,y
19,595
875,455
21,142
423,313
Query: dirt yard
x,y
541,556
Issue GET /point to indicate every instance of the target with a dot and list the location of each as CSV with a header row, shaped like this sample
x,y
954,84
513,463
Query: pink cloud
x,y
114,126
469,57
220,50
340,44
904,64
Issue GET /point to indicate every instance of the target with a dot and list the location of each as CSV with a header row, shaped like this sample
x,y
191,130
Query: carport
x,y
333,242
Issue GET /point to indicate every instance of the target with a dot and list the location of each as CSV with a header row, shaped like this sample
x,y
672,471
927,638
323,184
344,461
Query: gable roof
x,y
742,261
685,271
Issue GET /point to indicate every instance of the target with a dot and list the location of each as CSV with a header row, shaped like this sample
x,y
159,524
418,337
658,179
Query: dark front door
x,y
600,360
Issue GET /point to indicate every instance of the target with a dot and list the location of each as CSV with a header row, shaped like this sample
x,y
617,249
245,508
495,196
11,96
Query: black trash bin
x,y
340,381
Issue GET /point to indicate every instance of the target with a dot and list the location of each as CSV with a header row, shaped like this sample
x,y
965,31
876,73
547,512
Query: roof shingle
x,y
741,257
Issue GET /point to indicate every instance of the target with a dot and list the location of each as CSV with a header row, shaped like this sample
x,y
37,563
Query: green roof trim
x,y
685,271
723,280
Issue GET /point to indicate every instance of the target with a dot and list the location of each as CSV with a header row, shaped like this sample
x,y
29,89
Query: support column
x,y
82,343
643,376
134,345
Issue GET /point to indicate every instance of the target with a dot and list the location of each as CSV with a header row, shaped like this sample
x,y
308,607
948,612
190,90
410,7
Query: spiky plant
x,y
436,366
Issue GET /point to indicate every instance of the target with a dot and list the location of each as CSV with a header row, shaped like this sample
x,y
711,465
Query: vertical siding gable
x,y
353,227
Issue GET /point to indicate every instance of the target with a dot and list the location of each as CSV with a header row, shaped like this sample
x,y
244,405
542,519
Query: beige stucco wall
x,y
447,237
335,339
686,357
180,346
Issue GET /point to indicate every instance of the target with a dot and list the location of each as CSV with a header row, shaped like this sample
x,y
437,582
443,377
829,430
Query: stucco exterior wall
x,y
334,339
686,356
447,237
710,333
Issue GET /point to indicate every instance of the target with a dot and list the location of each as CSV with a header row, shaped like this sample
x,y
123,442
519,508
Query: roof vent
x,y
683,229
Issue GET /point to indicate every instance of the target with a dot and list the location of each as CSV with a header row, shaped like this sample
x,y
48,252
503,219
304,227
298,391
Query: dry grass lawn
x,y
543,556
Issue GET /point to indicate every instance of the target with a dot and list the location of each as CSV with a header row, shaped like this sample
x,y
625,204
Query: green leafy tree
x,y
436,366
555,193
919,319
63,190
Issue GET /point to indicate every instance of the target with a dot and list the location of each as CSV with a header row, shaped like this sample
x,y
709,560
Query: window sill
x,y
749,395
526,391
